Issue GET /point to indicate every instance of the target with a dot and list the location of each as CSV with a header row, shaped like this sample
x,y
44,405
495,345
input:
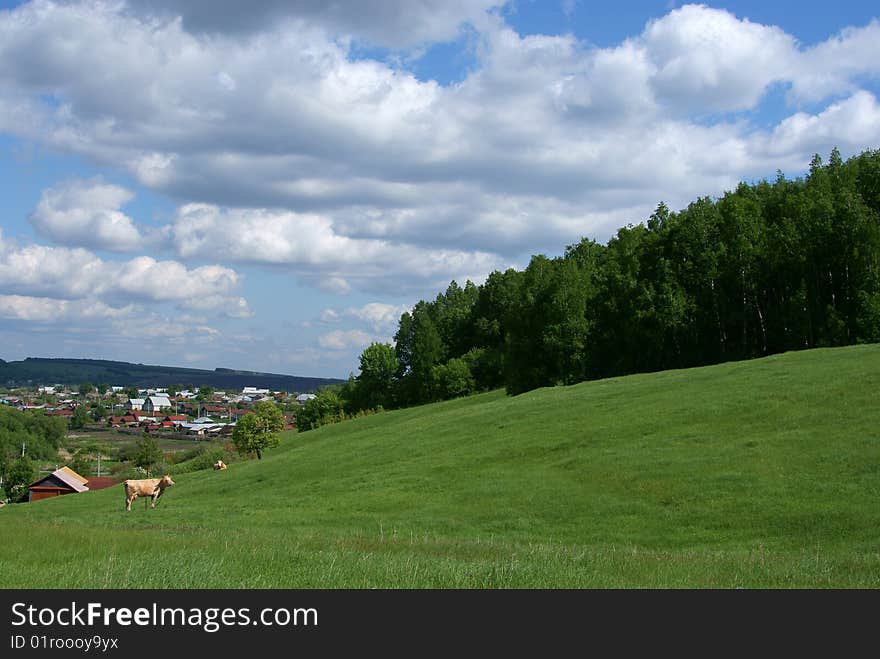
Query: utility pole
x,y
22,449
99,464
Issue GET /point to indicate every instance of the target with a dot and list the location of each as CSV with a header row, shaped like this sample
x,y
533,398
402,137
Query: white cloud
x,y
344,339
286,151
709,60
849,124
334,285
391,23
45,309
382,318
86,214
310,245
77,274
836,65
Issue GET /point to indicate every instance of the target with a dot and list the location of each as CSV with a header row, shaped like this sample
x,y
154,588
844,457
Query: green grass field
x,y
760,474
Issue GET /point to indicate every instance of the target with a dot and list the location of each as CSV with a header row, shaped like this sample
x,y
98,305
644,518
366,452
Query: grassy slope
x,y
756,474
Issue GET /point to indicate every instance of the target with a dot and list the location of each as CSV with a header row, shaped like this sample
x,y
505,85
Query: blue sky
x,y
268,186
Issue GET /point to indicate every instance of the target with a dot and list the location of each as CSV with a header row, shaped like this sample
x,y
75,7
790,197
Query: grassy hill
x,y
755,474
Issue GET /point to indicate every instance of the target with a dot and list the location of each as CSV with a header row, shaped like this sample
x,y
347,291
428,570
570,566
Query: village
x,y
183,412
104,426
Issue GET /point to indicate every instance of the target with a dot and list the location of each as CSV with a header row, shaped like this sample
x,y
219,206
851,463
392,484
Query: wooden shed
x,y
61,481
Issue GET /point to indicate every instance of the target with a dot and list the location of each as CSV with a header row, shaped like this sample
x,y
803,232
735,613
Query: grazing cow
x,y
146,487
219,465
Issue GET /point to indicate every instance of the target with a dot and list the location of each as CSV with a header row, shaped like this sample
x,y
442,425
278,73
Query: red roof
x,y
61,413
175,417
100,482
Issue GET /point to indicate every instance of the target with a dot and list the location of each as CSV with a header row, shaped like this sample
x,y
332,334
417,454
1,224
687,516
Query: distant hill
x,y
40,371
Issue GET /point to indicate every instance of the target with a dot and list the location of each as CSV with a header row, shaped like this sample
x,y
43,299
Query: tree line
x,y
766,268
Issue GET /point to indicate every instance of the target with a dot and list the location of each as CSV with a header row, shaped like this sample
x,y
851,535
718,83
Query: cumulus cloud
x,y
287,151
344,339
849,124
709,60
391,23
836,65
77,274
44,309
132,327
310,245
381,318
86,214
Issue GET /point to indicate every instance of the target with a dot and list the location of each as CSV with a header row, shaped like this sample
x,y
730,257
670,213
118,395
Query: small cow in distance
x,y
145,487
219,465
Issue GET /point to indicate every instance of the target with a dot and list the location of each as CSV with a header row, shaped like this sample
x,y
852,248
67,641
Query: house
x,y
135,404
120,421
204,429
188,408
61,481
142,417
216,411
253,391
156,403
235,415
302,399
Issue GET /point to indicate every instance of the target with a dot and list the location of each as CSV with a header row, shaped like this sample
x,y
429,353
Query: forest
x,y
766,268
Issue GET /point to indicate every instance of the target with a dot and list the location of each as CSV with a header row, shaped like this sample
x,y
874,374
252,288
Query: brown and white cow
x,y
219,465
145,487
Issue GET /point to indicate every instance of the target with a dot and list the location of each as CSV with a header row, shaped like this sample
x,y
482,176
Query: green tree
x,y
103,388
326,407
452,313
206,392
375,384
82,463
86,388
132,392
496,298
18,476
80,417
426,352
258,431
453,379
99,412
147,453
